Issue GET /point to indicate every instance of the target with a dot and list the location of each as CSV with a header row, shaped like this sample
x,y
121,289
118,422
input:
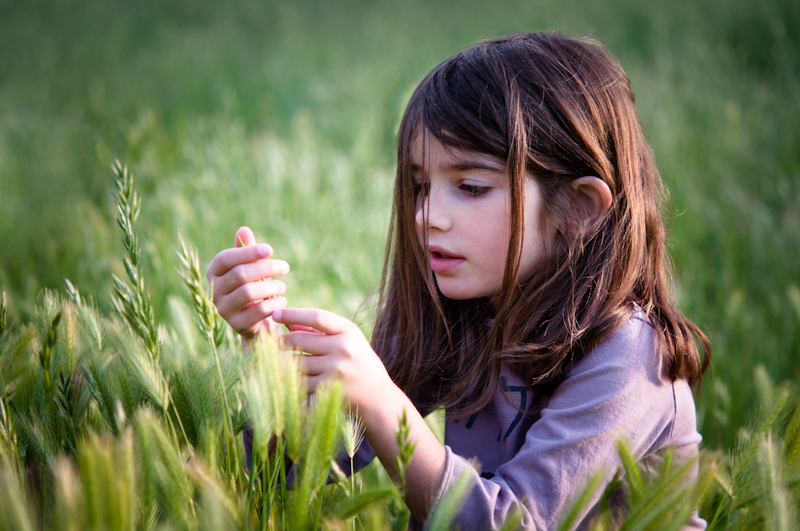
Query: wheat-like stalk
x,y
70,508
352,431
208,319
6,444
108,482
441,516
210,325
665,501
8,439
14,506
259,410
3,315
405,450
133,304
166,477
147,371
322,436
46,353
776,502
792,436
90,317
213,492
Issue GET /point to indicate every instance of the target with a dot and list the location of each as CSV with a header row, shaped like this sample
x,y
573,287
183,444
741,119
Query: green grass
x,y
282,117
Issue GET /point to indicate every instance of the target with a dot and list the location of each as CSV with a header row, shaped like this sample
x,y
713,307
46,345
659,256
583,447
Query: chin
x,y
460,294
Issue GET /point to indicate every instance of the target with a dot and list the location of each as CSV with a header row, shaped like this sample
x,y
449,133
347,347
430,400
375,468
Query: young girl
x,y
526,290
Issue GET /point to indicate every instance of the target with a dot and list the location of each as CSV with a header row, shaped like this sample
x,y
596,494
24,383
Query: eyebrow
x,y
468,165
475,165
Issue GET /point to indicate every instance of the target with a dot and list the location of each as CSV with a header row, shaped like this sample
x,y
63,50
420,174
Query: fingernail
x,y
276,315
263,249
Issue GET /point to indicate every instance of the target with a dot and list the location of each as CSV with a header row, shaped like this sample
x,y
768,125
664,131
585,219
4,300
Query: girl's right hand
x,y
243,290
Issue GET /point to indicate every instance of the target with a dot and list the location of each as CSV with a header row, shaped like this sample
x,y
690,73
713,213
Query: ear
x,y
594,194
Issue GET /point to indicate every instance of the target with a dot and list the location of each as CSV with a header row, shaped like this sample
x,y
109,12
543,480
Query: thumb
x,y
244,237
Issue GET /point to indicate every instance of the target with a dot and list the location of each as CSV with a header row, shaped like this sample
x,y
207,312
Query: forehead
x,y
425,150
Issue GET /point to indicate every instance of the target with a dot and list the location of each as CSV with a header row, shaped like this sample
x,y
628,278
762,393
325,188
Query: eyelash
x,y
473,191
470,189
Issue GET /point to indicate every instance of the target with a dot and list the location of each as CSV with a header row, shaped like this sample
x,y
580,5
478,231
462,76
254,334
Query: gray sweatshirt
x,y
539,462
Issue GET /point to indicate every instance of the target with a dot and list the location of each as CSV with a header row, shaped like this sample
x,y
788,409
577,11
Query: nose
x,y
432,211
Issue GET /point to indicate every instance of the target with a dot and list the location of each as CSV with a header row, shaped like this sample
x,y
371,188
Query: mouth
x,y
438,252
442,255
443,261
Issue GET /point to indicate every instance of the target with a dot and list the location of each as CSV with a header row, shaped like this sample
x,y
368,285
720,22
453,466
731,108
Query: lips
x,y
443,261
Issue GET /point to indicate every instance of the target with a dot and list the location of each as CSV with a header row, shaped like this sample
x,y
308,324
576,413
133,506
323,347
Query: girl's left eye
x,y
473,190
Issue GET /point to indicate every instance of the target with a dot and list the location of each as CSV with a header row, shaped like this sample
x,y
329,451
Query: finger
x,y
248,293
230,258
311,365
301,328
322,320
310,342
245,321
243,274
313,383
271,326
245,237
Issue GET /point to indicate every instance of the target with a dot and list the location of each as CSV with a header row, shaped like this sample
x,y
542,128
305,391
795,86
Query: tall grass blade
x,y
352,505
90,318
442,514
215,495
776,502
294,401
147,371
165,477
108,478
405,451
666,499
14,509
70,508
322,431
580,505
632,473
3,315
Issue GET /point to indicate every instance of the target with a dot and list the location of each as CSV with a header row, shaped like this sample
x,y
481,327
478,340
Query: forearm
x,y
424,473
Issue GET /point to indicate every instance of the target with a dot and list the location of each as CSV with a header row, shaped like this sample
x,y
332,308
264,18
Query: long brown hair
x,y
555,108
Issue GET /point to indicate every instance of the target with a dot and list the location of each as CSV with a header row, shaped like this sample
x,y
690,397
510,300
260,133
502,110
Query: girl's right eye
x,y
421,188
473,190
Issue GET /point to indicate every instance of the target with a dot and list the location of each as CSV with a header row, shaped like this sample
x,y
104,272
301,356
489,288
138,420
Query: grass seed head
x,y
3,314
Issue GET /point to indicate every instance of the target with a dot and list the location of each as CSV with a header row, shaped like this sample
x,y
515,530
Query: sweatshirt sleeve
x,y
615,392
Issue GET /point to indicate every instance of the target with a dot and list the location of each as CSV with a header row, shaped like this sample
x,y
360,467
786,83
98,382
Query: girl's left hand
x,y
339,352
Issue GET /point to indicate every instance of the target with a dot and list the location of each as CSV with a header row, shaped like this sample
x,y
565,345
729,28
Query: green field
x,y
282,116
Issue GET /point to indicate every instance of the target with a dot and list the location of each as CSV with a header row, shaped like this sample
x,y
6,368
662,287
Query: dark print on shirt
x,y
523,404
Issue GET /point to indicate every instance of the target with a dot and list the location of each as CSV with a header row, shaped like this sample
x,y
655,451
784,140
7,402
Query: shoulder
x,y
625,376
632,349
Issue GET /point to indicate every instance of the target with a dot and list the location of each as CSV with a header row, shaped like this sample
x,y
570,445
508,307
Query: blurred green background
x,y
282,116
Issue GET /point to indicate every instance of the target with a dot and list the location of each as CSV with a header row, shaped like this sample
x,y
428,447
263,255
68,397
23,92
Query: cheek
x,y
492,237
539,231
418,222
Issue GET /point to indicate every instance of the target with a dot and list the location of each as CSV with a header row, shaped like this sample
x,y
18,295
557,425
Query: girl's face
x,y
464,204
